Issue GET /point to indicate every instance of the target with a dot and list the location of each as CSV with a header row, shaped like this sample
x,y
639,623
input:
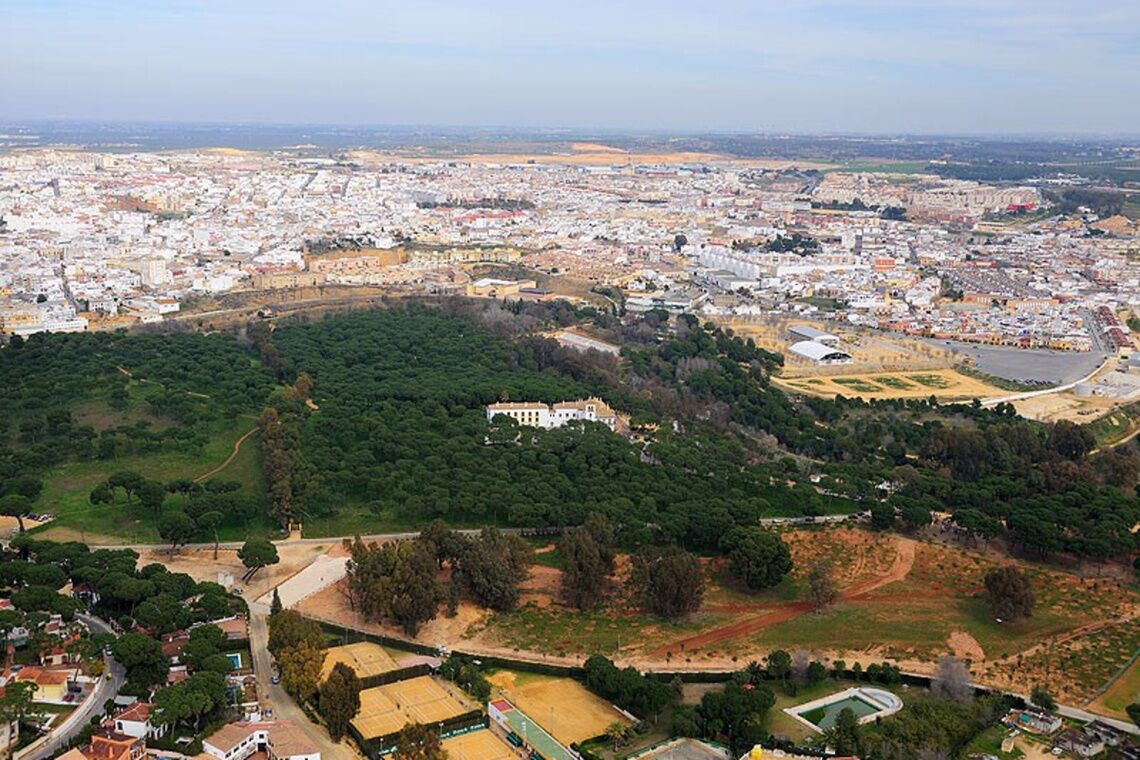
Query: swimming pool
x,y
867,703
825,716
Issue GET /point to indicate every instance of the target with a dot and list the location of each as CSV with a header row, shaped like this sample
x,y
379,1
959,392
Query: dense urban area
x,y
568,449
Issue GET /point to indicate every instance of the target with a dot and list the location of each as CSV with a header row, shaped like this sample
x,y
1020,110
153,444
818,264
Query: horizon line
x,y
570,130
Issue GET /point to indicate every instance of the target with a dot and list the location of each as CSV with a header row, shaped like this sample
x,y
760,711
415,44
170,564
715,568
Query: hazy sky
x,y
924,66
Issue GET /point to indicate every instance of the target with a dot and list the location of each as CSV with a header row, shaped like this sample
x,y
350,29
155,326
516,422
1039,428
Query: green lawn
x,y
989,743
562,631
68,486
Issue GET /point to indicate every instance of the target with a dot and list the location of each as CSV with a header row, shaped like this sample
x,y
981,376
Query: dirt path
x,y
229,459
783,612
904,560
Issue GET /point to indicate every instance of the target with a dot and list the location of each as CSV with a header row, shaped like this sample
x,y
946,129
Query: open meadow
x,y
904,599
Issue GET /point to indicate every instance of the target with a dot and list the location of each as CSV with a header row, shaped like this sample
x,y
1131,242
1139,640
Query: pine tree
x,y
275,605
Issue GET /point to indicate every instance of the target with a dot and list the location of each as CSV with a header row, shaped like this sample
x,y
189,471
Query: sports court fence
x,y
379,746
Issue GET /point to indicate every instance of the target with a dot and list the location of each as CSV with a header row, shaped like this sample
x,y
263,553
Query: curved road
x,y
107,687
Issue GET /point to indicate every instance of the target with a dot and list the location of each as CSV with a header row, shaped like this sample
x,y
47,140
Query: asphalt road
x,y
284,708
107,688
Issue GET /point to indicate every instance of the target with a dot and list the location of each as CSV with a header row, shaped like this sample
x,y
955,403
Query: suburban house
x,y
135,721
1034,721
280,740
537,414
51,684
109,745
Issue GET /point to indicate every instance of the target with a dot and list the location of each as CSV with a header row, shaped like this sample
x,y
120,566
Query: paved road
x,y
107,688
404,536
284,708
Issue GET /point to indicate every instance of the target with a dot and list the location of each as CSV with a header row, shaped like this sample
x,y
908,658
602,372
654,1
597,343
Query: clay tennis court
x,y
366,658
562,706
478,745
386,709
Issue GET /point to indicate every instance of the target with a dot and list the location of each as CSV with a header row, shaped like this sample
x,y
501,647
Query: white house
x,y
281,740
135,721
537,414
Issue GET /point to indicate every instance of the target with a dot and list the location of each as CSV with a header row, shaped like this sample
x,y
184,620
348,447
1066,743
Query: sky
x,y
796,66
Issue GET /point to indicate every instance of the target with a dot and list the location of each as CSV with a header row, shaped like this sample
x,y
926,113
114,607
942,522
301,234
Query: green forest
x,y
375,420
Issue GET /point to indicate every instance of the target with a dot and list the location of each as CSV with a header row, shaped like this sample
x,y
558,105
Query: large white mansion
x,y
537,414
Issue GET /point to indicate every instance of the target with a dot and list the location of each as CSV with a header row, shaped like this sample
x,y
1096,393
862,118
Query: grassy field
x,y
1123,691
909,601
780,723
67,487
561,631
1116,425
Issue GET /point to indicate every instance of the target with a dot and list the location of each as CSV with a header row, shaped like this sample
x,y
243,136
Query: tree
x,y
418,742
204,642
844,736
493,565
15,505
616,732
28,486
200,695
289,628
779,665
142,657
256,553
1041,697
1009,593
176,527
151,495
162,613
882,515
1133,711
587,566
679,242
822,590
952,681
275,604
669,583
415,591
16,703
210,521
757,556
339,699
300,668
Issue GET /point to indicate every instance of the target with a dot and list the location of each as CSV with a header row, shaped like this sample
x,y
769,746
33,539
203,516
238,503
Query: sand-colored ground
x,y
331,604
478,745
10,526
562,706
1063,406
943,383
200,565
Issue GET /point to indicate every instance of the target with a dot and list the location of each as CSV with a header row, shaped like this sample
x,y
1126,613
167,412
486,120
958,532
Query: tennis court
x,y
564,707
366,658
478,745
386,709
